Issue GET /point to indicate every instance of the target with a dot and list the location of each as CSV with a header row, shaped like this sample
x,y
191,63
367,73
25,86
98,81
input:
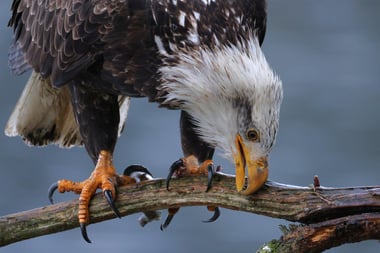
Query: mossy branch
x,y
327,213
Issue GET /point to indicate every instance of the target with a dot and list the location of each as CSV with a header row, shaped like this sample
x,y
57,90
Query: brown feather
x,y
110,45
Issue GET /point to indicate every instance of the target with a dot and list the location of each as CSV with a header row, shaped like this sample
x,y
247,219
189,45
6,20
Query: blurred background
x,y
328,56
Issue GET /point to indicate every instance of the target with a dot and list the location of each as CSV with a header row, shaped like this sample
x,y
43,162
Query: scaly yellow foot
x,y
103,177
185,167
189,165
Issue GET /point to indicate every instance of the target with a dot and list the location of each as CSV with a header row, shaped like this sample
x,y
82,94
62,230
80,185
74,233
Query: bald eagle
x,y
89,58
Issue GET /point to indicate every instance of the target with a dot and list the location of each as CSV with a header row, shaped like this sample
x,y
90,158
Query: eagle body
x,y
202,57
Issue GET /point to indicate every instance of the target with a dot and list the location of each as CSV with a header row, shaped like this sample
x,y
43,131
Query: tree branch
x,y
315,238
322,208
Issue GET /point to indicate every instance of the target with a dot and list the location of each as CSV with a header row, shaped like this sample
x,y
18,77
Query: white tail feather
x,y
43,115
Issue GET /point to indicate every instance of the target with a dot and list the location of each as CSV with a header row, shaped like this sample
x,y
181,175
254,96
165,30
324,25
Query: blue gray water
x,y
328,56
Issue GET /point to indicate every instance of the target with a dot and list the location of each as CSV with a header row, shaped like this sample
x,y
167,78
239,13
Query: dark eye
x,y
253,135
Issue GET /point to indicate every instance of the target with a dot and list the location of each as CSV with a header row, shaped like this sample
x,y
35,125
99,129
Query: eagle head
x,y
234,98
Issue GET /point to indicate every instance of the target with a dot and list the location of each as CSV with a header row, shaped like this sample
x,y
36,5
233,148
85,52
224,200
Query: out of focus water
x,y
328,56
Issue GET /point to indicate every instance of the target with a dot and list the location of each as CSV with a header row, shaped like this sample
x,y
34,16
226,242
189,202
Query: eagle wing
x,y
61,39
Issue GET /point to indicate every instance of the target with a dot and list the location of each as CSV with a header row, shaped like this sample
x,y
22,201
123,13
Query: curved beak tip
x,y
257,177
257,169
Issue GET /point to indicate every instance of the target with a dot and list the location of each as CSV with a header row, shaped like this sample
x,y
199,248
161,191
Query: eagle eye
x,y
253,135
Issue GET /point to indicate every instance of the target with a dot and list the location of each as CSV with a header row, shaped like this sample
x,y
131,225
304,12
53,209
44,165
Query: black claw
x,y
210,175
108,195
167,221
215,216
136,168
51,191
84,232
175,166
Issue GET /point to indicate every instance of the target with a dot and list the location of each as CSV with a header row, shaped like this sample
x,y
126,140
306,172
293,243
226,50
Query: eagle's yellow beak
x,y
257,169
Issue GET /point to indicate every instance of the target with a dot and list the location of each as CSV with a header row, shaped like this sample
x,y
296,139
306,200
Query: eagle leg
x,y
190,166
103,177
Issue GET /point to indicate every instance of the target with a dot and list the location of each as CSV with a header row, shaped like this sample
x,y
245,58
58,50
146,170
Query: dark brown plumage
x,y
114,40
